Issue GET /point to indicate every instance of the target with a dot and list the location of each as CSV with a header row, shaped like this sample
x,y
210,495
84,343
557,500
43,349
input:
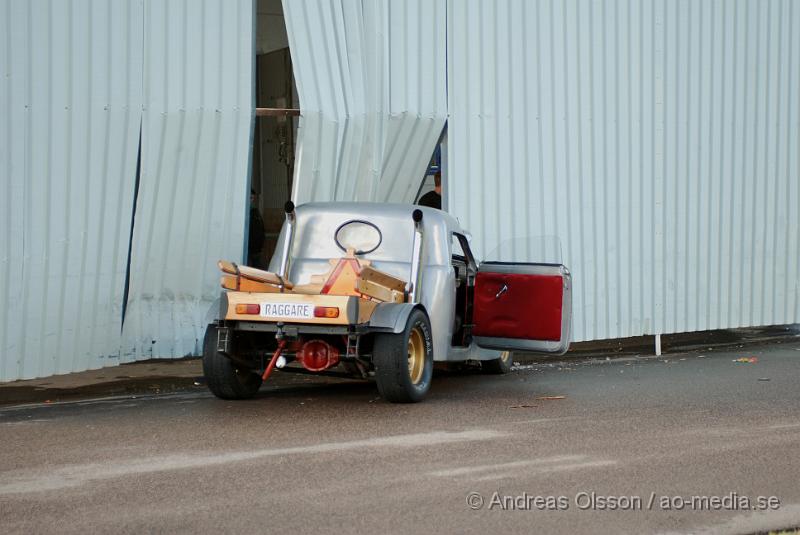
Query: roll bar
x,y
287,243
413,286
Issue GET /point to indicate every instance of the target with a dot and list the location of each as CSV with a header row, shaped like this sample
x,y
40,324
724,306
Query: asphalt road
x,y
334,458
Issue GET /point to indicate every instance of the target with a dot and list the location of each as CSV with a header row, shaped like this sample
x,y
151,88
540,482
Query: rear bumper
x,y
289,329
352,310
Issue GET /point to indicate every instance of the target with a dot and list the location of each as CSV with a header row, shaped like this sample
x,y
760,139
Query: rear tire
x,y
404,361
500,365
224,379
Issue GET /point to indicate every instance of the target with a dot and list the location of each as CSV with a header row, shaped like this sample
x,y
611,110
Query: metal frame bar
x,y
277,112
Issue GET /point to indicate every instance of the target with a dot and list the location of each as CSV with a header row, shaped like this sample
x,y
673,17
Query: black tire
x,y
401,377
500,365
224,379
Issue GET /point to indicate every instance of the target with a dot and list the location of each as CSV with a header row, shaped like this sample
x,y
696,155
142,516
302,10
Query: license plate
x,y
287,310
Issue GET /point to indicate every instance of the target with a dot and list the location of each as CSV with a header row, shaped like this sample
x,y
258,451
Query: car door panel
x,y
523,307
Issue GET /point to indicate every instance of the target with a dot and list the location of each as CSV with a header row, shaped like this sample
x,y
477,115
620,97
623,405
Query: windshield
x,y
380,233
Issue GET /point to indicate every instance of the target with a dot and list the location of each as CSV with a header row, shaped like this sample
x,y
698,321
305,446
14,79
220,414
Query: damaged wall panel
x,y
192,203
371,77
70,99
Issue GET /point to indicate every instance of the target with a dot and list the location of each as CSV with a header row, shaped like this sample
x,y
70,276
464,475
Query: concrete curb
x,y
164,376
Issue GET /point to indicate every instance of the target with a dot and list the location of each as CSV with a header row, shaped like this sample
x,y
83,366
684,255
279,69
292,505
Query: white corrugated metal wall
x,y
658,140
371,77
70,102
78,79
193,195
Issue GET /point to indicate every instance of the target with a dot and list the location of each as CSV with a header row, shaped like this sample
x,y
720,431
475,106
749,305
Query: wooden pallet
x,y
346,276
253,274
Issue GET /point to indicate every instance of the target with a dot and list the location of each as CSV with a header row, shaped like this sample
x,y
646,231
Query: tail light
x,y
248,308
326,312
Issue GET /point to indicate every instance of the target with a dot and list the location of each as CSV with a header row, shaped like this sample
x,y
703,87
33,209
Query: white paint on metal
x,y
658,140
371,78
78,80
192,204
70,99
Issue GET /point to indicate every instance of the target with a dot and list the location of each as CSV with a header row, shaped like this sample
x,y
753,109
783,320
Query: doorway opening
x,y
275,133
433,189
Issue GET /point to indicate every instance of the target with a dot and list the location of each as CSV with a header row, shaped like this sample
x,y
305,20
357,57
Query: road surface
x,y
624,450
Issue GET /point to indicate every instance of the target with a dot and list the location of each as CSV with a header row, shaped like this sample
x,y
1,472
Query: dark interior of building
x,y
274,136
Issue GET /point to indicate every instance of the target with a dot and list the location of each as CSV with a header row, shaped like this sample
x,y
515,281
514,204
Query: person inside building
x,y
255,242
433,198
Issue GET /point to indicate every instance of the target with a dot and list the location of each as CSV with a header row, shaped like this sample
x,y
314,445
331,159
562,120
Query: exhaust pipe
x,y
287,242
415,280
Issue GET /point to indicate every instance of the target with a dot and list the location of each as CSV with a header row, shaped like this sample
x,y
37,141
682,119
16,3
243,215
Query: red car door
x,y
522,307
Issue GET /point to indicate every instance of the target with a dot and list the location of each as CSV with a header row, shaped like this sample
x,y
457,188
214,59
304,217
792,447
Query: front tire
x,y
498,366
224,379
404,361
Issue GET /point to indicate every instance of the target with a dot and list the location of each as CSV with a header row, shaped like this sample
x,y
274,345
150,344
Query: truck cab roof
x,y
315,240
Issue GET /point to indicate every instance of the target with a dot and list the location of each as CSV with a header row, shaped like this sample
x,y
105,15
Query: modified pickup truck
x,y
379,291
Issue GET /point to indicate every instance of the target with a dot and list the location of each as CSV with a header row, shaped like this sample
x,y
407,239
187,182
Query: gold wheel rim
x,y
416,356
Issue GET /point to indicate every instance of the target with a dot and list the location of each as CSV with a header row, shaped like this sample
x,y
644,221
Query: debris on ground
x,y
763,378
747,360
549,398
522,407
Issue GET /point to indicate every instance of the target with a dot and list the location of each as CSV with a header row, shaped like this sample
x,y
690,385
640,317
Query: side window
x,y
461,251
458,251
